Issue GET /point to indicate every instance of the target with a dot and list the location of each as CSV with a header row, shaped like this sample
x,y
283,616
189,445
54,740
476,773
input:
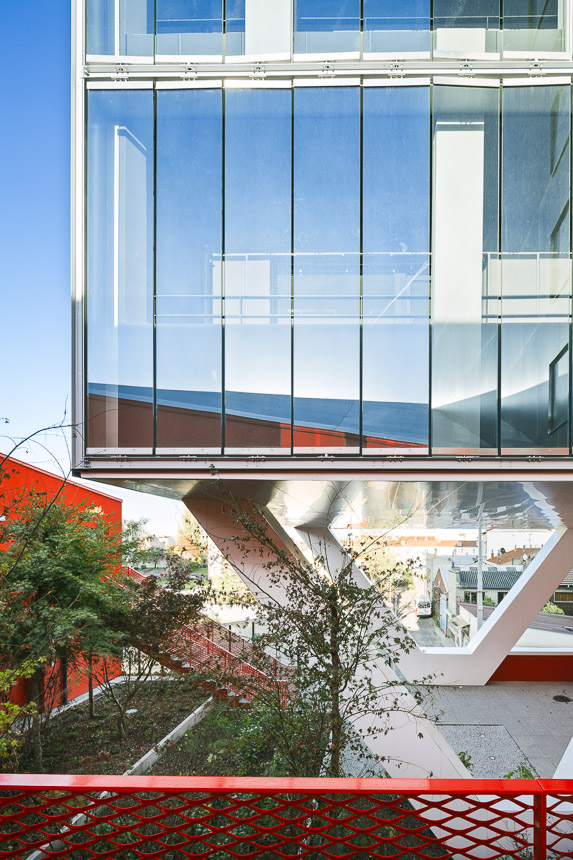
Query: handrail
x,y
227,817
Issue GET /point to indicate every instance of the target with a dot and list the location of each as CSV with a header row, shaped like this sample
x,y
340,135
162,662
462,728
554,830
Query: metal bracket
x,y
536,70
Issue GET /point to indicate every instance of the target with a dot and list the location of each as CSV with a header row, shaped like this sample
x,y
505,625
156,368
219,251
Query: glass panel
x,y
326,26
235,28
466,27
258,269
396,266
535,26
189,27
189,189
465,272
120,269
396,26
326,265
100,36
136,28
536,268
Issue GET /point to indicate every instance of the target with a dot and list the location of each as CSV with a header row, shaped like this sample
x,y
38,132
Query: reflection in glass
x,y
537,26
120,27
326,268
120,269
396,26
188,264
465,269
189,27
536,267
136,28
326,26
396,266
468,27
258,269
235,27
100,35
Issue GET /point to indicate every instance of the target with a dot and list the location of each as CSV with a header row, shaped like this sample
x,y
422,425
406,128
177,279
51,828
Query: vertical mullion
x,y
292,271
224,31
223,374
85,428
361,265
431,30
154,273
500,258
431,265
569,409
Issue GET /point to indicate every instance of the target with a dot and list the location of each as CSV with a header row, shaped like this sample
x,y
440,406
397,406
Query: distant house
x,y
563,597
497,581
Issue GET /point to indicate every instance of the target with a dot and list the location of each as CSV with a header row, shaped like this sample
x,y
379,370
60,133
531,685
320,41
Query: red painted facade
x,y
16,477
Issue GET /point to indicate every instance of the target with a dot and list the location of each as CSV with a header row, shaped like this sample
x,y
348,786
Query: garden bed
x,y
74,743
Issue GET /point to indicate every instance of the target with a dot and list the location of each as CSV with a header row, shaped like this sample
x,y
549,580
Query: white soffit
x,y
119,85
540,81
396,82
189,85
326,82
242,84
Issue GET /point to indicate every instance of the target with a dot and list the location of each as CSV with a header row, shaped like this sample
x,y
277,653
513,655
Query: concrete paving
x,y
506,723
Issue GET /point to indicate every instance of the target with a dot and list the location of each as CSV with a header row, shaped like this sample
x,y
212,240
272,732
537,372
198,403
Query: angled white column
x,y
411,745
475,664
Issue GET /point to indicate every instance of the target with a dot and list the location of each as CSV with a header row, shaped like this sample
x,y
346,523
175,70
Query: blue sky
x,y
35,239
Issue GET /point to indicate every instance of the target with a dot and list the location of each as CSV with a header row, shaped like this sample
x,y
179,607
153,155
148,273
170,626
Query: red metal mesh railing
x,y
80,817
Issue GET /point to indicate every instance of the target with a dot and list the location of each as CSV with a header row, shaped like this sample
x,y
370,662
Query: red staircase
x,y
212,647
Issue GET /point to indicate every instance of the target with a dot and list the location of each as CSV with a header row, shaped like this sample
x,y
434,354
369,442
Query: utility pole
x,y
480,575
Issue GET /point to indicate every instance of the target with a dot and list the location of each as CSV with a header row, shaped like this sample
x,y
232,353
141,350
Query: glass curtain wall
x,y
188,261
169,29
534,26
189,27
202,320
465,273
535,269
258,269
235,28
123,28
396,27
326,26
326,268
467,27
396,268
120,270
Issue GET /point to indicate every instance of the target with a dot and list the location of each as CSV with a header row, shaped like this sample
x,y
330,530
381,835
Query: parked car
x,y
423,606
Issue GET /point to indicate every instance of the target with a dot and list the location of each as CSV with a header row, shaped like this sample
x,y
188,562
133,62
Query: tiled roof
x,y
502,578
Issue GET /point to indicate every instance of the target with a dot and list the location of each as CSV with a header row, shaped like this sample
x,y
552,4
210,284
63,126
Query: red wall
x,y
23,476
535,667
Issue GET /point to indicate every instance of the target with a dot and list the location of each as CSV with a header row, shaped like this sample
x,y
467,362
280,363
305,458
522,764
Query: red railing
x,y
205,655
77,817
213,647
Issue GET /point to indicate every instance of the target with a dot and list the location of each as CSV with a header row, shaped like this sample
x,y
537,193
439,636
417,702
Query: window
x,y
326,26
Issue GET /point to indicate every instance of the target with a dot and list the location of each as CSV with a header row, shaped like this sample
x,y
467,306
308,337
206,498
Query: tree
x,y
331,628
11,714
195,541
150,617
58,582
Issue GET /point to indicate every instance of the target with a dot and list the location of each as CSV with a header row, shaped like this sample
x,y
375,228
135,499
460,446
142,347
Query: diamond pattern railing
x,y
225,818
